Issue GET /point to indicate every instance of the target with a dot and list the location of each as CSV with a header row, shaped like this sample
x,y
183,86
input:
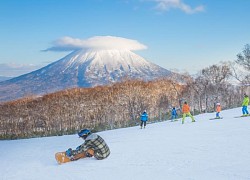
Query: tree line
x,y
120,104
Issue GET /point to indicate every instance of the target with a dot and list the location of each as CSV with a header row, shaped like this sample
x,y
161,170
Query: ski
x,y
242,116
216,118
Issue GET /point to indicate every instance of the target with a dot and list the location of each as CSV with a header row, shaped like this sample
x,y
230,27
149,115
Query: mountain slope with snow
x,y
82,69
206,149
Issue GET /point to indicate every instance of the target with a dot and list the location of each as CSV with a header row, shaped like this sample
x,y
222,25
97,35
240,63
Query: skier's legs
x,y
190,115
145,122
247,110
88,153
174,116
183,117
217,115
141,124
244,110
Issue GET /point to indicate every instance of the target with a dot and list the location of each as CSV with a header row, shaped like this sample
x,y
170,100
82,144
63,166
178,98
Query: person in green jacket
x,y
244,105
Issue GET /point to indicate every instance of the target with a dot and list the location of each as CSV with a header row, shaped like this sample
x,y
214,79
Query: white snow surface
x,y
204,150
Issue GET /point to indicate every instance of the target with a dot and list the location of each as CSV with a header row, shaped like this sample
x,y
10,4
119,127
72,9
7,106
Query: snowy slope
x,y
203,150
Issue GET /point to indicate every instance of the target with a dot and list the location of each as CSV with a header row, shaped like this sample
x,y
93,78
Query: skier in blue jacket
x,y
144,118
174,114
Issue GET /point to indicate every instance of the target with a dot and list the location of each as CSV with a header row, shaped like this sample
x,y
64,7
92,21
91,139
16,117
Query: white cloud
x,y
165,5
96,42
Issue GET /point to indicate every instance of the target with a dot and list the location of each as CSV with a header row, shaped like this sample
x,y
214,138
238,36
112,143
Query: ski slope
x,y
204,150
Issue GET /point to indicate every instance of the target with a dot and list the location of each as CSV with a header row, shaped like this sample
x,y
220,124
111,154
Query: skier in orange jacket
x,y
186,111
218,110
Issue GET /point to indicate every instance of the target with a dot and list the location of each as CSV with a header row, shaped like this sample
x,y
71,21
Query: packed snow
x,y
204,150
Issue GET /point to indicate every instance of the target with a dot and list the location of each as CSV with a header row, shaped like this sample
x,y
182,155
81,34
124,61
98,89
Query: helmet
x,y
84,133
218,104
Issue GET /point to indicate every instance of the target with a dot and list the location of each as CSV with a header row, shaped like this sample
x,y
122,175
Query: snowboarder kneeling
x,y
94,145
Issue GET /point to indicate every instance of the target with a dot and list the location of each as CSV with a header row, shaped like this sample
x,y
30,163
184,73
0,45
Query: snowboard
x,y
62,158
216,118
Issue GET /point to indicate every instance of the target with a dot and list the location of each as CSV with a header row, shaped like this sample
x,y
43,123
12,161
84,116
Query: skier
x,y
174,114
244,105
218,110
94,145
144,118
186,111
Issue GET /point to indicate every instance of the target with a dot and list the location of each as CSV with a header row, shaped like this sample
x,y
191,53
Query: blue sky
x,y
186,35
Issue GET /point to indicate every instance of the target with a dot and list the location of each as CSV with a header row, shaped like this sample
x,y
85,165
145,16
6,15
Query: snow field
x,y
207,149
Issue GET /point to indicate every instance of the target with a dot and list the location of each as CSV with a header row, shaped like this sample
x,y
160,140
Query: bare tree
x,y
244,58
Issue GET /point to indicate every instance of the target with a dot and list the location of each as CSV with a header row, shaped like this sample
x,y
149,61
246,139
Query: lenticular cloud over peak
x,y
96,43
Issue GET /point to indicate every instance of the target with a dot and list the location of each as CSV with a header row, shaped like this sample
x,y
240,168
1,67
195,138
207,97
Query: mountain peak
x,y
83,68
110,66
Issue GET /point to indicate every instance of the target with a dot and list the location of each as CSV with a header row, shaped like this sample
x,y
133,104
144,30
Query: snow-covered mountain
x,y
204,150
82,68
